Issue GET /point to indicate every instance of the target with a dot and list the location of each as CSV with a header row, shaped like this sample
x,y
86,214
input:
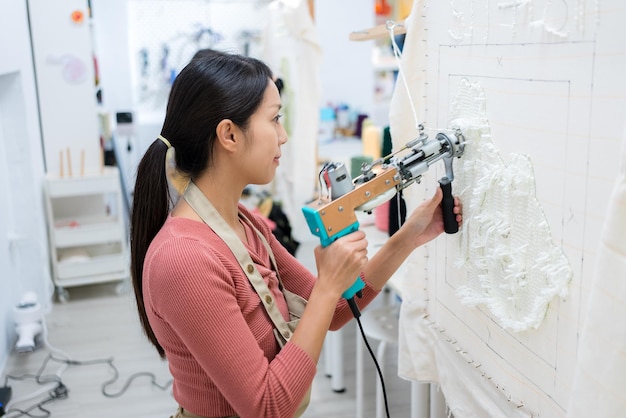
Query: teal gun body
x,y
316,226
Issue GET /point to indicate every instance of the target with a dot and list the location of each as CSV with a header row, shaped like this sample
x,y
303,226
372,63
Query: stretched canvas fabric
x,y
425,352
554,95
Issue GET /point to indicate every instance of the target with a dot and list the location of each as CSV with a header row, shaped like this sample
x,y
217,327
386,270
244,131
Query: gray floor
x,y
99,327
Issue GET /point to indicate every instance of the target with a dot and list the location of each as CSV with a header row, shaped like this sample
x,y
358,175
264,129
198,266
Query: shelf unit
x,y
87,230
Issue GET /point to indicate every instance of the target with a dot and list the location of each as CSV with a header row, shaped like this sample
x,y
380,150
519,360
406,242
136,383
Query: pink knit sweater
x,y
215,332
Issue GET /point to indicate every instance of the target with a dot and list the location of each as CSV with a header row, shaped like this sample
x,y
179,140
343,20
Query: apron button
x,y
287,334
250,268
268,299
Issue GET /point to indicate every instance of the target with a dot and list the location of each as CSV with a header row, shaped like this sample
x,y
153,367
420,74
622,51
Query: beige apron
x,y
282,330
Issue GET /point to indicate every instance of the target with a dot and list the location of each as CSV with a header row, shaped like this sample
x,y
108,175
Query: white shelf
x,y
93,266
86,231
84,185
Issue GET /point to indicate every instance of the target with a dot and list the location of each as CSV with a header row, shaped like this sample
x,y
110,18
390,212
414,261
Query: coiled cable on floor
x,y
57,390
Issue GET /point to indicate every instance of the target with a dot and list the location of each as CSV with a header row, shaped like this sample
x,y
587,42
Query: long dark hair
x,y
214,86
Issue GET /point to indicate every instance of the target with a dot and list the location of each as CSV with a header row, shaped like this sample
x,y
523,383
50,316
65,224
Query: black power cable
x,y
61,391
357,315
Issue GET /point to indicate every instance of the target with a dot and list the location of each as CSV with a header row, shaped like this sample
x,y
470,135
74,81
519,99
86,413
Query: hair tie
x,y
165,141
177,181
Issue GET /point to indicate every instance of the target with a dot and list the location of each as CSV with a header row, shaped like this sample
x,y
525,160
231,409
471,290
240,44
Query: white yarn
x,y
513,267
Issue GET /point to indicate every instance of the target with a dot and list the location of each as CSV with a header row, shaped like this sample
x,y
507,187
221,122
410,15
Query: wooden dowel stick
x,y
60,163
69,162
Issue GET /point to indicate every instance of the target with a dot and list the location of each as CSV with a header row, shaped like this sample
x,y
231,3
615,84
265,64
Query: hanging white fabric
x,y
600,378
291,49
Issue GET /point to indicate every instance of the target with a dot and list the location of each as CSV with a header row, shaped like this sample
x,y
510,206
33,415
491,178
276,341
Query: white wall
x,y
23,248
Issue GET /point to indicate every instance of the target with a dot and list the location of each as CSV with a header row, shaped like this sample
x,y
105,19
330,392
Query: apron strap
x,y
203,207
267,247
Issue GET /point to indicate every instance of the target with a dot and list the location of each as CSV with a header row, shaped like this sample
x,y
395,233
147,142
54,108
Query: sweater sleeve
x,y
191,289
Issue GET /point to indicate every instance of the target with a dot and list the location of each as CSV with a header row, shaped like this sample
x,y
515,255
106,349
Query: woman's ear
x,y
227,133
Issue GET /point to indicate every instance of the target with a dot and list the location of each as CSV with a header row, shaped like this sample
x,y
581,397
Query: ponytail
x,y
151,202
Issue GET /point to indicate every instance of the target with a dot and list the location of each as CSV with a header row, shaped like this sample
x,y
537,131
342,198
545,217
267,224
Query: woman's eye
x,y
277,117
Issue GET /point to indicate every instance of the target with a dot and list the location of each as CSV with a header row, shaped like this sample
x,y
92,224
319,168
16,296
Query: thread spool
x,y
381,217
371,140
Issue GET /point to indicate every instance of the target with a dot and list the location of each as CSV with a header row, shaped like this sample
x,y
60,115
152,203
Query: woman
x,y
217,294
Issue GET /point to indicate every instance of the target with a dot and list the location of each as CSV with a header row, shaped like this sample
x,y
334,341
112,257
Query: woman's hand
x,y
426,221
339,264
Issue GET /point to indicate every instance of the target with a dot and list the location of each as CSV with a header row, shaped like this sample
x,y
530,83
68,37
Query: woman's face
x,y
264,136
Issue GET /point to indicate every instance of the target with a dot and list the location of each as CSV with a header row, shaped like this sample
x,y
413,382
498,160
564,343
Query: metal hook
x,y
390,25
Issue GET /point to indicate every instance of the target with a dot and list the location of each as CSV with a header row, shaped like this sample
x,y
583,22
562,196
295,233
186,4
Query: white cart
x,y
87,231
